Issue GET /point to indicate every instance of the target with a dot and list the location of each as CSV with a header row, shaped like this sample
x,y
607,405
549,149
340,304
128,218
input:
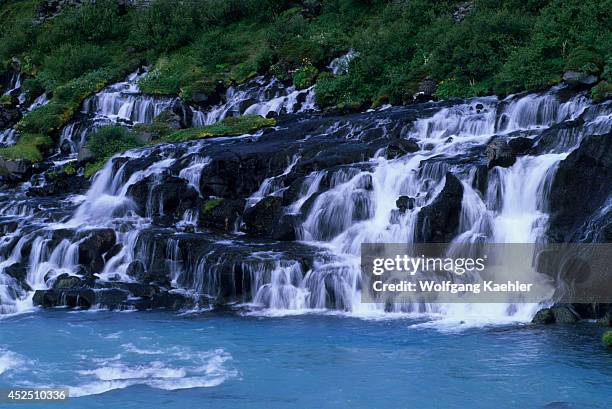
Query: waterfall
x,y
336,204
258,97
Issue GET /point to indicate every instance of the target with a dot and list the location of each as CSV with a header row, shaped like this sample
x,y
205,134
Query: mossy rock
x,y
211,205
607,339
232,126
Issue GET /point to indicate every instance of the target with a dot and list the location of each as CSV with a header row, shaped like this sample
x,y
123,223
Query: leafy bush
x,y
585,60
305,76
109,140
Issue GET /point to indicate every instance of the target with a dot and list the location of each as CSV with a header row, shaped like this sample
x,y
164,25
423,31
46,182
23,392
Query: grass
x,y
109,140
30,147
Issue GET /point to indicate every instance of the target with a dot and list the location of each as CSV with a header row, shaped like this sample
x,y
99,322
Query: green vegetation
x,y
106,142
228,127
210,205
112,139
607,339
196,49
30,147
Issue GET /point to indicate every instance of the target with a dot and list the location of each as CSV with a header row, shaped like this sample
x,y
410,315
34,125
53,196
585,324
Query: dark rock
x,y
400,147
137,270
18,271
16,169
223,215
544,316
260,219
438,222
66,281
171,301
481,179
499,153
112,298
93,246
9,115
168,195
520,145
71,298
427,87
580,186
404,203
286,227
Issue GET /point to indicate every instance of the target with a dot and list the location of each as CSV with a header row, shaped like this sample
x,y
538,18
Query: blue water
x,y
162,360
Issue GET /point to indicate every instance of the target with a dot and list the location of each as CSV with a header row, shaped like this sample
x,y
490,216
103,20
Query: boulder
x,y
544,316
66,281
438,222
18,169
564,315
577,78
137,270
520,145
499,153
171,301
555,315
404,203
93,246
260,219
112,298
286,227
221,214
71,298
400,147
167,195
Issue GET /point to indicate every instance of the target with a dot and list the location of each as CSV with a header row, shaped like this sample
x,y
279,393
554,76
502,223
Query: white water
x,y
358,207
258,97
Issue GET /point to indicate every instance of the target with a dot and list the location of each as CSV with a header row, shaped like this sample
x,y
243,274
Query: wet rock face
x,y
499,153
438,222
260,219
9,116
581,186
163,196
400,147
92,248
577,78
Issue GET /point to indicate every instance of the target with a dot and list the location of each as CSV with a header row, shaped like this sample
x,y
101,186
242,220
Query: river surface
x,y
164,360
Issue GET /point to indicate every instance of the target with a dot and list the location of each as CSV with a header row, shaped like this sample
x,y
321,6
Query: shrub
x,y
305,76
585,60
29,147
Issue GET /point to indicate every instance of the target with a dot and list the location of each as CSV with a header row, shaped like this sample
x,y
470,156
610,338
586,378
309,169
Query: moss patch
x,y
228,127
210,205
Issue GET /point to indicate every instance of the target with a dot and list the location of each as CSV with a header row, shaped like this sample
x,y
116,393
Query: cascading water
x,y
258,97
338,207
